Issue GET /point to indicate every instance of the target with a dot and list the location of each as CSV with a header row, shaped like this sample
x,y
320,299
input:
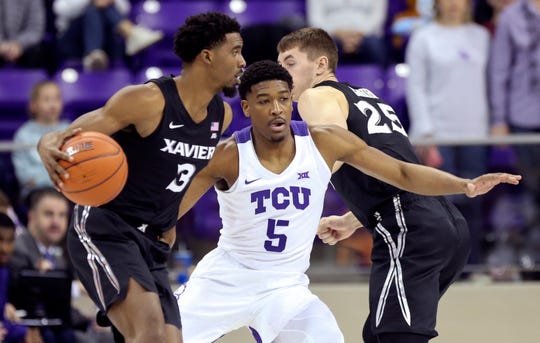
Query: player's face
x,y
301,68
49,220
229,63
269,105
7,244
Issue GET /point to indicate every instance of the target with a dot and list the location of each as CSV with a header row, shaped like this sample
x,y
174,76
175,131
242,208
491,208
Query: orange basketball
x,y
98,171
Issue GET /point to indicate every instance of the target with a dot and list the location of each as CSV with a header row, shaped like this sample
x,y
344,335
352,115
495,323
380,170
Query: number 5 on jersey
x,y
277,241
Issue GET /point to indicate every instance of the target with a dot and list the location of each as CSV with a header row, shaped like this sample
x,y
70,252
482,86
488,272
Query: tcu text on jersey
x,y
281,198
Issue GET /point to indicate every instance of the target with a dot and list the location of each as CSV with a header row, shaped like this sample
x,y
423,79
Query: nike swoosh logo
x,y
247,182
175,126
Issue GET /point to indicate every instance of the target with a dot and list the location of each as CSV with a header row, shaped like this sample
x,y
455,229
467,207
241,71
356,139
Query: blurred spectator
x,y
41,248
45,109
418,13
10,331
6,207
486,12
447,98
515,88
88,29
357,26
22,27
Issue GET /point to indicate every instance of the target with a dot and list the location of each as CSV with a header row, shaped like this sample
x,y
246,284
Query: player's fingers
x,y
324,234
327,237
323,227
510,178
71,133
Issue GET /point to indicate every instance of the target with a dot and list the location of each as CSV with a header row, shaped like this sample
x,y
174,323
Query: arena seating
x,y
15,87
84,92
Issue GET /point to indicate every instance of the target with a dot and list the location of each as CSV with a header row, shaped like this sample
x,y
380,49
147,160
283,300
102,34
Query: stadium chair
x,y
8,126
84,92
15,87
166,16
263,24
266,12
154,72
395,96
369,76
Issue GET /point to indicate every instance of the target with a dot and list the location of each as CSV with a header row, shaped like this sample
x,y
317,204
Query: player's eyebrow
x,y
288,57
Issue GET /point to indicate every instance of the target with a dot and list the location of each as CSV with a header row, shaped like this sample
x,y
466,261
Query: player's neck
x,y
326,76
275,156
195,93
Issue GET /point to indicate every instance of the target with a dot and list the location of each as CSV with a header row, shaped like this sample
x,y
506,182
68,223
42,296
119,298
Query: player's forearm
x,y
430,181
352,221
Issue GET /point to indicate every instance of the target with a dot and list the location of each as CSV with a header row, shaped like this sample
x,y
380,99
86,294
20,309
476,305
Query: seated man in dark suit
x,y
41,248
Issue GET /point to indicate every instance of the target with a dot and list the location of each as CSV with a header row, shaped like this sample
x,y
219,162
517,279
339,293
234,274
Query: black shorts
x,y
420,246
106,252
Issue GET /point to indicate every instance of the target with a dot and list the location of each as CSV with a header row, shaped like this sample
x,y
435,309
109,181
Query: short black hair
x,y
262,71
202,31
6,222
36,195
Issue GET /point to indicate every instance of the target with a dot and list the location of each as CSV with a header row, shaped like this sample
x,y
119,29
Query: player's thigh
x,y
314,324
209,310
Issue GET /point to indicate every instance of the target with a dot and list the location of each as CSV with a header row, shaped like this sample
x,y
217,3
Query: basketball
x,y
98,171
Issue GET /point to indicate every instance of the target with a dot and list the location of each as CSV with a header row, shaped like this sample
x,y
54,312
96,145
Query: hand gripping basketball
x,y
98,171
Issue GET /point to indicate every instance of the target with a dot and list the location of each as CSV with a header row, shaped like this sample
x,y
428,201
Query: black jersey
x,y
378,125
162,165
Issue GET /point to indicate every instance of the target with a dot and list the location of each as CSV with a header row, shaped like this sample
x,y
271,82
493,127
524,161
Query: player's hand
x,y
49,152
333,229
486,182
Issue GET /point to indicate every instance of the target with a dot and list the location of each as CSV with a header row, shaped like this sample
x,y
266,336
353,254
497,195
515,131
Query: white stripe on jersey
x,y
270,220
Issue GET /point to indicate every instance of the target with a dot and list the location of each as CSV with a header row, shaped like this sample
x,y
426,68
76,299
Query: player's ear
x,y
245,108
322,64
206,56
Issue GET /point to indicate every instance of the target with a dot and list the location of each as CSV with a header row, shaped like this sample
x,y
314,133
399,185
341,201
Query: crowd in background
x,y
474,71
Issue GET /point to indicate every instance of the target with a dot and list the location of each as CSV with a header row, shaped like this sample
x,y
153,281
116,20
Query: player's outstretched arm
x,y
140,105
335,142
223,167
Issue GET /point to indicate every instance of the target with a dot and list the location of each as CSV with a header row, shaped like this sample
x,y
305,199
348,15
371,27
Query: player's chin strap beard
x,y
94,256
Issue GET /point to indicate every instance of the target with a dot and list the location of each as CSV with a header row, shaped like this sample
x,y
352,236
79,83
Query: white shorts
x,y
223,295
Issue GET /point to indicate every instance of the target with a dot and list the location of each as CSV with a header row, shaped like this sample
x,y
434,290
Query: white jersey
x,y
270,220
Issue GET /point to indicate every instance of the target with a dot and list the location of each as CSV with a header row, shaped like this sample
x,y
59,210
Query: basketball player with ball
x,y
167,129
270,179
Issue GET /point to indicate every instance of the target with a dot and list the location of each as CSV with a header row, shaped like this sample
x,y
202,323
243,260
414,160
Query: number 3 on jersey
x,y
183,175
375,124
